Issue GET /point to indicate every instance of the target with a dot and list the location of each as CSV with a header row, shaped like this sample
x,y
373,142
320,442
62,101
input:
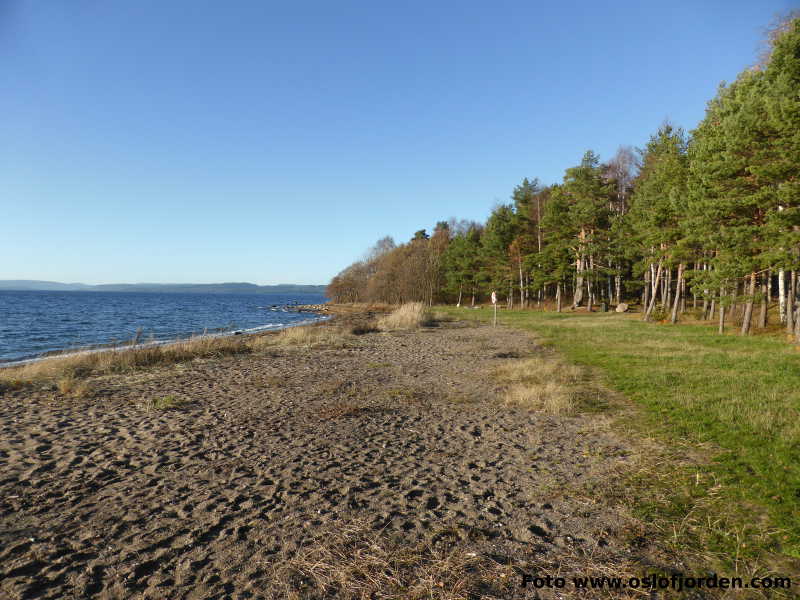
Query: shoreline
x,y
132,345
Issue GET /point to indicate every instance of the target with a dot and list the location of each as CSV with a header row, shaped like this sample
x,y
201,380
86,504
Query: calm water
x,y
32,323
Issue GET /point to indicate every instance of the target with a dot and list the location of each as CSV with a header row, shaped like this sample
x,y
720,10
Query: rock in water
x,y
622,307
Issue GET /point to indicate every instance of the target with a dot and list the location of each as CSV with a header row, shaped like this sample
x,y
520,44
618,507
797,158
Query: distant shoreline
x,y
26,285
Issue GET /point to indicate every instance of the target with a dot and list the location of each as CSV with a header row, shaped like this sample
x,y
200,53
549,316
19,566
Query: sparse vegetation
x,y
363,329
67,369
403,395
544,384
83,364
165,402
272,381
308,336
342,409
70,385
411,315
352,562
13,384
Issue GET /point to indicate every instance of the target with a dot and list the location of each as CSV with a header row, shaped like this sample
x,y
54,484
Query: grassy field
x,y
737,400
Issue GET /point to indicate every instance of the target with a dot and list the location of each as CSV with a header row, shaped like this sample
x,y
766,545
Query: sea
x,y
34,324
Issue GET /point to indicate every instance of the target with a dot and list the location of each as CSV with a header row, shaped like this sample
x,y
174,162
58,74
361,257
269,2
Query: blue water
x,y
33,323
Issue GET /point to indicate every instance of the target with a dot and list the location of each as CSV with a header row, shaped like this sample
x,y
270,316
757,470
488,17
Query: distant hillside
x,y
164,288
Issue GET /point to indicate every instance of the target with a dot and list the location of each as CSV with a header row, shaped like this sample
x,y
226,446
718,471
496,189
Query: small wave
x,y
265,327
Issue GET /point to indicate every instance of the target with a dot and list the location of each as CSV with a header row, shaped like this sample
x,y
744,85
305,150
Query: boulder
x,y
622,307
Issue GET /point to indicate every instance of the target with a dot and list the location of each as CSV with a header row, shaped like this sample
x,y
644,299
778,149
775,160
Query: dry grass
x,y
309,336
68,369
352,561
412,315
12,384
342,409
165,402
69,385
542,383
268,381
84,364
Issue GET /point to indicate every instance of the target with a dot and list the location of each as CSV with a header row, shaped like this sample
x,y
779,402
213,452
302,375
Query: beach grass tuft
x,y
411,315
70,385
307,336
165,402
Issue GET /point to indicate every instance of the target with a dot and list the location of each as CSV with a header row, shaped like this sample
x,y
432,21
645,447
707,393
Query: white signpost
x,y
494,303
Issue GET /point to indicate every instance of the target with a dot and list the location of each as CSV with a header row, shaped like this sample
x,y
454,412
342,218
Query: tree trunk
x,y
762,317
653,298
796,328
705,301
748,308
579,268
653,282
521,286
769,288
558,297
527,290
790,314
460,288
674,316
618,287
590,302
646,291
667,288
721,329
683,293
782,295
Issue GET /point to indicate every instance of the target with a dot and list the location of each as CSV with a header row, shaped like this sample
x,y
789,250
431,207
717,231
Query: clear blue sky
x,y
207,141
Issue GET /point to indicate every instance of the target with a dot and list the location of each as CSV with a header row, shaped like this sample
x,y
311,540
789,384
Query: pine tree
x,y
657,207
587,195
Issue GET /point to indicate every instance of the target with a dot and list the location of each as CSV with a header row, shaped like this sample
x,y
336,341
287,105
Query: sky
x,y
275,142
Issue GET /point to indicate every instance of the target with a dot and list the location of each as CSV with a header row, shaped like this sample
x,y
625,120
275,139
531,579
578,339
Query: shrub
x,y
659,313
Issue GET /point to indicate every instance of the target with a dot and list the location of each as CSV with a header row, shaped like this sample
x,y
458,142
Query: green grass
x,y
740,397
166,402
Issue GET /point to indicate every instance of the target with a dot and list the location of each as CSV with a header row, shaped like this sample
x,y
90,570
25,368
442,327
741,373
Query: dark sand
x,y
104,497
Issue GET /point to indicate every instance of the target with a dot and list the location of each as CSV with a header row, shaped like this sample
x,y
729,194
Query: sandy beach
x,y
270,471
